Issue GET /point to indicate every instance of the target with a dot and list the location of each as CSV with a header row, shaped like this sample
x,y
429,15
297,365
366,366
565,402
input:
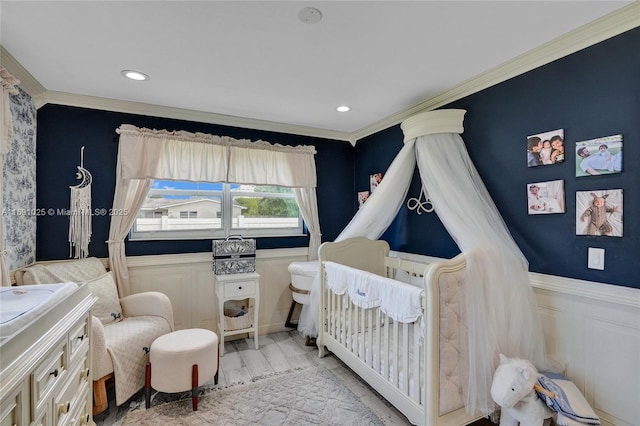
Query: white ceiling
x,y
257,60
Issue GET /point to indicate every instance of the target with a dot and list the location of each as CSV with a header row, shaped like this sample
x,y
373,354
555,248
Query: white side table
x,y
237,287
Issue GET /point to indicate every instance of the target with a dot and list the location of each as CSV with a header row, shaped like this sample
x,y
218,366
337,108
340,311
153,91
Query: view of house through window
x,y
196,210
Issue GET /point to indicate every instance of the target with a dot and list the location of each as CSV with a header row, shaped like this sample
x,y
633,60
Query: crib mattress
x,y
21,305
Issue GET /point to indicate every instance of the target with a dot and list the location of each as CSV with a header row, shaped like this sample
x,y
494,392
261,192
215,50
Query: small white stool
x,y
180,361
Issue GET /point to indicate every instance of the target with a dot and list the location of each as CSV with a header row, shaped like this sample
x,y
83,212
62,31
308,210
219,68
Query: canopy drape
x,y
500,309
146,154
8,85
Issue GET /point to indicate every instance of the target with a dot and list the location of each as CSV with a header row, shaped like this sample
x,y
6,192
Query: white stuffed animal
x,y
512,389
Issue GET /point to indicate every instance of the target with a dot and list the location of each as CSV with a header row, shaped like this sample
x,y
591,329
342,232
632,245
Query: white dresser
x,y
45,377
238,287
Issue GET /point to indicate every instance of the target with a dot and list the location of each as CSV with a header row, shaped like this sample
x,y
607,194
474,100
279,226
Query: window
x,y
197,210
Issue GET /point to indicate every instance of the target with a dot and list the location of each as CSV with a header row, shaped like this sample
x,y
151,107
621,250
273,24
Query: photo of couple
x,y
599,156
546,148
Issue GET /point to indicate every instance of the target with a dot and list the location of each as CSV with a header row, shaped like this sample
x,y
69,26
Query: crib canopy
x,y
500,312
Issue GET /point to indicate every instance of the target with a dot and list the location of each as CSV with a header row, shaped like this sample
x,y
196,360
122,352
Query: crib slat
x,y
371,329
376,358
417,357
395,353
385,365
405,358
356,330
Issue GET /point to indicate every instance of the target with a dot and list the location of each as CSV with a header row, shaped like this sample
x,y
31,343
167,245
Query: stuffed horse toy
x,y
513,390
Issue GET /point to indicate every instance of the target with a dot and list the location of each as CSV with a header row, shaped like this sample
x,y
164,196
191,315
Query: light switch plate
x,y
596,258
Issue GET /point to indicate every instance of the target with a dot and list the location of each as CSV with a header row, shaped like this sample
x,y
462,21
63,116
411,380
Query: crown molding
x,y
615,23
28,83
106,104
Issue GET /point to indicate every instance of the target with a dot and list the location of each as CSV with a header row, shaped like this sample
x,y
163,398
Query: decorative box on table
x,y
234,255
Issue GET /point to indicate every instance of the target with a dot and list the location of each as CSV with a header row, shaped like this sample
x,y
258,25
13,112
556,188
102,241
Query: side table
x,y
237,287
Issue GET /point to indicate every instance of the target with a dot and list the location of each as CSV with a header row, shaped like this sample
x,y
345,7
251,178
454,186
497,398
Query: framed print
x,y
374,181
545,197
546,148
599,156
362,197
599,213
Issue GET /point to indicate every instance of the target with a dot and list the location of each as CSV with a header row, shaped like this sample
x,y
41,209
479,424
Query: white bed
x,y
417,366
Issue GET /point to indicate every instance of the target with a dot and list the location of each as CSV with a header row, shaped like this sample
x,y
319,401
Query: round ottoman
x,y
182,360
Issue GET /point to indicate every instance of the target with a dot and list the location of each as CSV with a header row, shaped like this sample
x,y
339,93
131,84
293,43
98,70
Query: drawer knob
x,y
84,374
54,373
239,287
64,408
81,338
85,419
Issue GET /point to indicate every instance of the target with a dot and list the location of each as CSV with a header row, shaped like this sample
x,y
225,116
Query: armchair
x,y
121,328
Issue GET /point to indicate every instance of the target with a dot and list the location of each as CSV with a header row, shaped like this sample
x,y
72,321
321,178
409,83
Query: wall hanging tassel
x,y
80,213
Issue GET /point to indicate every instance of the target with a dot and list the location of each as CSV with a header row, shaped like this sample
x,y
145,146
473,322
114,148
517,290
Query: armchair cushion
x,y
104,288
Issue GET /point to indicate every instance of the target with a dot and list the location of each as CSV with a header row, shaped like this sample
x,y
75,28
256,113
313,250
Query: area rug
x,y
309,397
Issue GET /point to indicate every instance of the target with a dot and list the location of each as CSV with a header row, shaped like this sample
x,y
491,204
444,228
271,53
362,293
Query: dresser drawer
x,y
79,339
239,289
69,403
50,372
11,407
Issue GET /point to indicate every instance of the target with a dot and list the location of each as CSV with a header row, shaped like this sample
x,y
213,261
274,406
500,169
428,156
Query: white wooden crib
x,y
420,370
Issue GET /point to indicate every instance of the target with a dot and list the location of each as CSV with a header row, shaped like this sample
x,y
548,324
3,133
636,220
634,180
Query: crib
x,y
418,367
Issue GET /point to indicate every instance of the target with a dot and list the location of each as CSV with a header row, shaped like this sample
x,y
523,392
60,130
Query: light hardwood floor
x,y
278,353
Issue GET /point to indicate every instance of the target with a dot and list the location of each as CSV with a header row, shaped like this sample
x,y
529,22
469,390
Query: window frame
x,y
226,195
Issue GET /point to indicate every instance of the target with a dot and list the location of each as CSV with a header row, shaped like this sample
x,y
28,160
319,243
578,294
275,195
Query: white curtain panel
x,y
308,204
8,85
146,154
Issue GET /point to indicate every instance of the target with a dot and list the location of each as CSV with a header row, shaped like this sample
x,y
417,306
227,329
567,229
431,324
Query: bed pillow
x,y
104,288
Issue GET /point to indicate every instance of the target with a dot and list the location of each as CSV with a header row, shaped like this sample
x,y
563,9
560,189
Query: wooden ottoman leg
x,y
194,386
147,385
215,378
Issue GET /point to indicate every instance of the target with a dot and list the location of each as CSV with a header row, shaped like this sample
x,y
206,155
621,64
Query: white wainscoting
x,y
188,281
592,328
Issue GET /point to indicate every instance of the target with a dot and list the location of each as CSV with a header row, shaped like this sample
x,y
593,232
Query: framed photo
x,y
362,197
544,149
601,156
599,213
374,181
545,197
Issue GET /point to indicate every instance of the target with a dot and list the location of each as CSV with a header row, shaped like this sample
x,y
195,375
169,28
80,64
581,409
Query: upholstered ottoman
x,y
182,360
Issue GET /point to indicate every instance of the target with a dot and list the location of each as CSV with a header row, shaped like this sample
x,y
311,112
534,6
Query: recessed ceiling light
x,y
343,108
310,15
134,75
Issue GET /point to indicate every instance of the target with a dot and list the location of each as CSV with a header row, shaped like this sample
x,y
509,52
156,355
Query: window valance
x,y
180,155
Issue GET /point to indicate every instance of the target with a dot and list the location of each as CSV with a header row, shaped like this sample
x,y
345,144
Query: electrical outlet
x,y
596,258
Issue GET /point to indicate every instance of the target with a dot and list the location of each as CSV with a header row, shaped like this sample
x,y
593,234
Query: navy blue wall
x,y
591,93
62,131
